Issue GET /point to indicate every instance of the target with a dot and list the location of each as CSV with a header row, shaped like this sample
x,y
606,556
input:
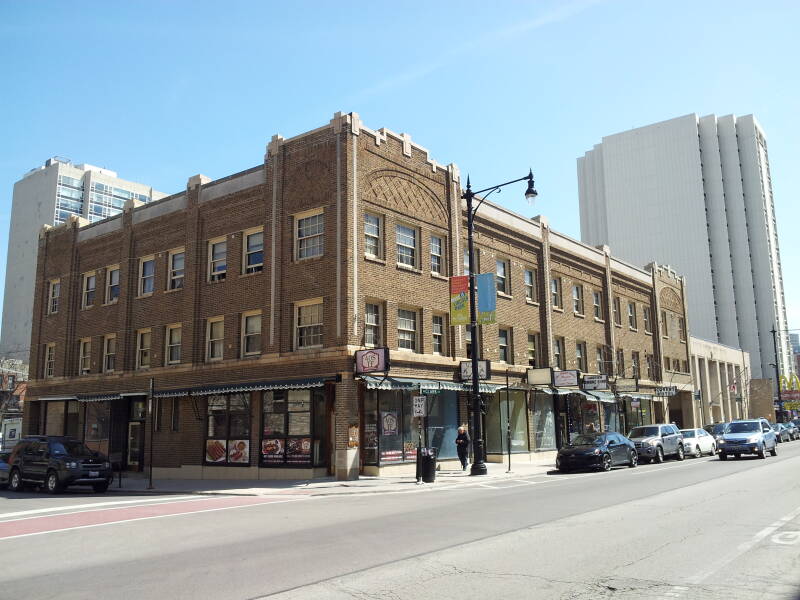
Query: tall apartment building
x,y
49,195
696,193
245,299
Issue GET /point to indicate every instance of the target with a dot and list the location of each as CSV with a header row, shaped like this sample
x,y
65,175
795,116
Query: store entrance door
x,y
135,445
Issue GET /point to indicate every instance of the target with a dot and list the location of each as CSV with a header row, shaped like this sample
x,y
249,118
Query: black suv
x,y
56,462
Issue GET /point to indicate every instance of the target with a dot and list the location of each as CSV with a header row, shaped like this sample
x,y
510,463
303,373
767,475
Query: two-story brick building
x,y
243,301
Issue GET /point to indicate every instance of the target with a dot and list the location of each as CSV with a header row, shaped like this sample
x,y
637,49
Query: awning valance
x,y
602,396
287,384
98,397
424,385
56,398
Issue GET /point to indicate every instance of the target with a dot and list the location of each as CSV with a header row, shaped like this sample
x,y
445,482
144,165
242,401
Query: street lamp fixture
x,y
478,457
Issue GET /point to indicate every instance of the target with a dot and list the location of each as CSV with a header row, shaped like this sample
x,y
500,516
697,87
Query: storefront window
x,y
71,419
497,422
54,423
611,417
286,432
584,417
638,411
442,423
97,421
228,430
544,422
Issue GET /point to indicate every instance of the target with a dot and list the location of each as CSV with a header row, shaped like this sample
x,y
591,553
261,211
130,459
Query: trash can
x,y
428,465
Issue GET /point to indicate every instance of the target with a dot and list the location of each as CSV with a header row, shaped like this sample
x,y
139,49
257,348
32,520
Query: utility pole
x,y
779,416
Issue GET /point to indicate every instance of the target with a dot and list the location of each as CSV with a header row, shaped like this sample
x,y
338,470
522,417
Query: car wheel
x,y
737,456
723,456
713,449
606,466
774,451
634,459
697,452
762,452
100,488
52,485
659,455
680,455
15,481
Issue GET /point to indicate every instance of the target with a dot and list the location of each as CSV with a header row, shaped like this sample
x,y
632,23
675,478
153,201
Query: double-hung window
x,y
620,362
173,337
648,327
531,293
597,298
372,325
89,286
175,268
143,349
664,324
501,276
372,235
437,332
580,356
635,365
310,231
251,333
533,349
49,360
309,319
555,292
600,360
504,343
617,311
53,296
632,322
253,252
147,275
85,357
407,329
577,299
437,255
112,284
109,352
215,339
682,329
558,353
406,246
217,259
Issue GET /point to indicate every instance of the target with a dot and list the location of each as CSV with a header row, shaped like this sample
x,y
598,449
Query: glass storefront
x,y
288,423
228,430
544,421
497,411
638,411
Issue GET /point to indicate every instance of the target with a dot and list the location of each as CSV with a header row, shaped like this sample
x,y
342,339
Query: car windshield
x,y
745,427
643,432
71,448
687,433
588,440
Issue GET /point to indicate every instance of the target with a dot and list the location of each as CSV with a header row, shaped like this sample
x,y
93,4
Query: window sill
x,y
596,320
251,356
173,364
648,332
504,295
634,329
87,307
558,309
439,276
683,341
531,302
112,303
618,325
375,259
298,259
215,281
144,295
307,348
579,315
259,272
402,267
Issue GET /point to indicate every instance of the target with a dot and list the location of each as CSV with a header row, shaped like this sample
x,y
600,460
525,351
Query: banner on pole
x,y
459,300
487,298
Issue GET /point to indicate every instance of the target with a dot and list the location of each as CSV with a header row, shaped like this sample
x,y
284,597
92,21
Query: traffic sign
x,y
419,406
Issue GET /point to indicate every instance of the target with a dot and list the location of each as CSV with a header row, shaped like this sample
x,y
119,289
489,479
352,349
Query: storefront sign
x,y
539,376
635,403
389,423
372,360
595,382
352,436
459,300
487,298
484,372
419,406
791,405
790,395
565,378
666,391
626,385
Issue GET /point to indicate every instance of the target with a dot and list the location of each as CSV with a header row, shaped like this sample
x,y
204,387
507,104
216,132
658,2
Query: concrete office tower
x,y
49,195
696,193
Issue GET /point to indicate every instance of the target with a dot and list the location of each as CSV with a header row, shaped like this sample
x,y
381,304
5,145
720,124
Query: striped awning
x,y
424,385
287,384
98,397
602,396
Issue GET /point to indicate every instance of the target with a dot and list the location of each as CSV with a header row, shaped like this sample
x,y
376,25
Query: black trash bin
x,y
428,465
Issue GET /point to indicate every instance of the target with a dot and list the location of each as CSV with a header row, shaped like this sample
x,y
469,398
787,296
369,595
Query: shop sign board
x,y
666,391
565,378
595,382
626,385
790,395
539,376
791,405
484,371
372,361
419,406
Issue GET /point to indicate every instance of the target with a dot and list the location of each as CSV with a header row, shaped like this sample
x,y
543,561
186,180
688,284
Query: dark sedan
x,y
597,451
781,432
4,468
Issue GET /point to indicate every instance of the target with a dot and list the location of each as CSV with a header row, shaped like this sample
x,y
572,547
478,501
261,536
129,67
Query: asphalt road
x,y
697,529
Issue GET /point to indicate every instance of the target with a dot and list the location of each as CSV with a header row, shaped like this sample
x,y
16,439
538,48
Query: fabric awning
x,y
98,397
560,391
602,396
424,385
287,384
56,398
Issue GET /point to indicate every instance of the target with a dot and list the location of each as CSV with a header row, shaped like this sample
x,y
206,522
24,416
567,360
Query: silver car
x,y
751,436
654,442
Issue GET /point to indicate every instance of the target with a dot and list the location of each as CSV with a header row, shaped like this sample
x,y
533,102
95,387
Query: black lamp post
x,y
478,459
779,416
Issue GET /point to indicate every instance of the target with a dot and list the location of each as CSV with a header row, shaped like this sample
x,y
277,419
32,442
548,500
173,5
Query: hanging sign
x,y
487,298
484,371
539,376
595,382
565,378
372,360
459,300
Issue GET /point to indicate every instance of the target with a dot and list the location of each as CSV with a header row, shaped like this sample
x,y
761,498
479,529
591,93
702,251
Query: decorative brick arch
x,y
398,190
670,299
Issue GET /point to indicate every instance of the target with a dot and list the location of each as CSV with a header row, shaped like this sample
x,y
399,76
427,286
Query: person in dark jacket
x,y
462,446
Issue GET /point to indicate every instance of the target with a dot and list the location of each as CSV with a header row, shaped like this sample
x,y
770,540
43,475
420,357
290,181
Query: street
x,y
701,528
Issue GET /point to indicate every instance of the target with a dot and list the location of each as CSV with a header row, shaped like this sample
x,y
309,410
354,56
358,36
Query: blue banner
x,y
487,298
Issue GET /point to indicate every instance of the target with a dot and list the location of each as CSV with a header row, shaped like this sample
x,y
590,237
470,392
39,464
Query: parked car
x,y
56,462
4,468
716,430
597,451
748,436
697,442
793,429
781,432
654,442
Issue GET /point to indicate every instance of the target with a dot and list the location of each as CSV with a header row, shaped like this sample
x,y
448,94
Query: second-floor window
x,y
147,275
558,353
177,263
253,259
85,354
372,325
597,300
53,296
682,329
531,293
437,333
533,349
309,236
112,284
173,338
504,339
215,339
143,349
617,309
406,246
217,260
49,360
89,286
309,331
109,353
555,292
648,327
437,255
620,362
407,330
600,360
635,365
664,324
632,322
577,299
580,356
251,334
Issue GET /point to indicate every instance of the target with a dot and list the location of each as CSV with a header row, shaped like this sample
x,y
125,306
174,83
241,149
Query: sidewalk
x,y
324,486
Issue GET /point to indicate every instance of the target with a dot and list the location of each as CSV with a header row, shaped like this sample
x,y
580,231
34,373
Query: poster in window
x,y
299,423
215,451
389,423
370,435
239,451
298,450
274,424
272,451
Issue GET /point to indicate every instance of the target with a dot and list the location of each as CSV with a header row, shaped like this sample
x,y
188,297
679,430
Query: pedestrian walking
x,y
462,446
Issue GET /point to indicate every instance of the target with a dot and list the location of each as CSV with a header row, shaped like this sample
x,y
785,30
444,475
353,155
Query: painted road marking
x,y
93,505
81,520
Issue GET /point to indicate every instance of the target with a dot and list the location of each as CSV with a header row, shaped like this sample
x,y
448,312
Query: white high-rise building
x,y
49,195
695,192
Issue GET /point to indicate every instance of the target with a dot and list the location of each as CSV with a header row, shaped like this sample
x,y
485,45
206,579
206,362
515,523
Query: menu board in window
x,y
273,451
298,451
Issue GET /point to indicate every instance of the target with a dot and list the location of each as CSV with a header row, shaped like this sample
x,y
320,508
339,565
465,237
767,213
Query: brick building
x,y
243,300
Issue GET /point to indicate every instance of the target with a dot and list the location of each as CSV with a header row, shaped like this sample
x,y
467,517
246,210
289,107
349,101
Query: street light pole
x,y
478,457
774,332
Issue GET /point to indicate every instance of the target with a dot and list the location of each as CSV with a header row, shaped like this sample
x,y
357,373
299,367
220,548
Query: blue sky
x,y
159,91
